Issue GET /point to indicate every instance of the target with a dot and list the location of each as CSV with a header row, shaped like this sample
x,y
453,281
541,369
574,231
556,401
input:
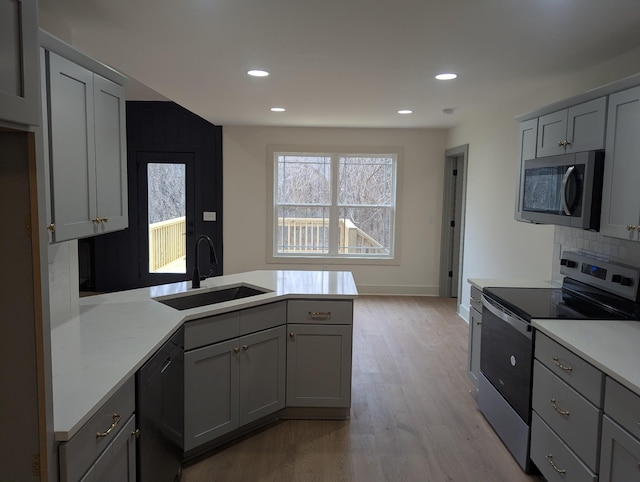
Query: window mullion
x,y
334,214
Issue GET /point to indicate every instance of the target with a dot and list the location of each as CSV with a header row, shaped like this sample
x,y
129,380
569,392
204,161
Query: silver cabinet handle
x,y
560,365
116,419
320,315
564,413
555,467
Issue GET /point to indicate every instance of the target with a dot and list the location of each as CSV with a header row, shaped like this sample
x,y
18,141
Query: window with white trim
x,y
334,204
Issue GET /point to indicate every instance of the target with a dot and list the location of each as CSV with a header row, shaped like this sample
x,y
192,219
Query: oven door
x,y
506,352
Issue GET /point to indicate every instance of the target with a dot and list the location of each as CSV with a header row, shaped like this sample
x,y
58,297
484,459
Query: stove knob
x,y
616,278
568,263
626,282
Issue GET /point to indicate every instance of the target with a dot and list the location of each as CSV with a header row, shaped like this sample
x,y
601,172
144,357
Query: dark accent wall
x,y
160,127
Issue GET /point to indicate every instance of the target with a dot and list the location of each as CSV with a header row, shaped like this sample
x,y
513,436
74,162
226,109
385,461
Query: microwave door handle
x,y
565,182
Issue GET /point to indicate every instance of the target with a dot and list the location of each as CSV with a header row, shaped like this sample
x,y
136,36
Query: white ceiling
x,y
346,63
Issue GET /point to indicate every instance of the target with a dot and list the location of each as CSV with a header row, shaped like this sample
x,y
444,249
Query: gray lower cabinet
x,y
19,96
233,383
475,329
620,454
118,462
567,413
620,451
104,448
319,365
85,144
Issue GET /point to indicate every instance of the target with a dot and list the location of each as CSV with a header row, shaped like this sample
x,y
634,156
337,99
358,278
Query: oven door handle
x,y
520,325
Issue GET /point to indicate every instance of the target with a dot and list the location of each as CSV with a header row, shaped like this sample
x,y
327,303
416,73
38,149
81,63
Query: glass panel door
x,y
167,217
166,213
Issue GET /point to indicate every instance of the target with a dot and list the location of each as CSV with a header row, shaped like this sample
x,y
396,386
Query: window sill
x,y
333,261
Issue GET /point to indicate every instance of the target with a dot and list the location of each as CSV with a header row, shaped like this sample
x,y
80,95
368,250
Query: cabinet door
x,y
111,157
211,391
118,462
552,129
528,138
475,327
72,149
319,365
620,454
620,193
262,373
586,125
19,79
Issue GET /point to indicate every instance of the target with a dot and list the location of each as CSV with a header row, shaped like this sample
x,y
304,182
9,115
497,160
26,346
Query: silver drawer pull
x,y
320,315
564,413
116,419
560,365
555,467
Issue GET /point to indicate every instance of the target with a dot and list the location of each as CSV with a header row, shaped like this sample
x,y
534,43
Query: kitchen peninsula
x,y
100,348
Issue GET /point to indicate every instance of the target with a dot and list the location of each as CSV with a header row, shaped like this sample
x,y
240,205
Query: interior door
x,y
166,216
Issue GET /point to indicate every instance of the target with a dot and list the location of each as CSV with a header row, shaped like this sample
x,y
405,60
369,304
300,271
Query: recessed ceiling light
x,y
258,73
278,109
446,76
448,110
405,111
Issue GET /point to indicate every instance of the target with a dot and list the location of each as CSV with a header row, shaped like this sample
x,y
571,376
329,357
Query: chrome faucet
x,y
213,259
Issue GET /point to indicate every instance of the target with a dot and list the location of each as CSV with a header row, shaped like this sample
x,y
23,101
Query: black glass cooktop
x,y
557,303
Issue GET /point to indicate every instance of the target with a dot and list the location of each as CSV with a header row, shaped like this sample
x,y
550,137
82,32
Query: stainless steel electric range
x,y
591,289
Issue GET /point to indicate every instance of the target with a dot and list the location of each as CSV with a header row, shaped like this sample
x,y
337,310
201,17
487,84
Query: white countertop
x,y
611,346
95,352
482,283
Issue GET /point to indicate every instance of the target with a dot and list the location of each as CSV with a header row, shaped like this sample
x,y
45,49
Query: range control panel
x,y
620,279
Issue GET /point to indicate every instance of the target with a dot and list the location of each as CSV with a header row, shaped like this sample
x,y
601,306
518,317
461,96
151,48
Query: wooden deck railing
x,y
308,235
299,235
166,243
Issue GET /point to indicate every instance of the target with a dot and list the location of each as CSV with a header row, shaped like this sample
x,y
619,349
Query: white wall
x,y
495,245
420,197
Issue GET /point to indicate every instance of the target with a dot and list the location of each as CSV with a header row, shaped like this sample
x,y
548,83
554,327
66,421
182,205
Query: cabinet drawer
x,y
79,453
582,376
622,405
263,317
320,312
476,299
569,414
118,461
554,459
620,454
211,329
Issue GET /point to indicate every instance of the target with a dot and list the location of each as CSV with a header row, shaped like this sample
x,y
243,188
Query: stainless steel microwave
x,y
564,189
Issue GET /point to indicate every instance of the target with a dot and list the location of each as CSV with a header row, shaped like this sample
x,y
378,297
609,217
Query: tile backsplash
x,y
593,244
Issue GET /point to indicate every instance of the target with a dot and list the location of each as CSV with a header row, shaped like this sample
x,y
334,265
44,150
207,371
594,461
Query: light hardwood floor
x,y
413,416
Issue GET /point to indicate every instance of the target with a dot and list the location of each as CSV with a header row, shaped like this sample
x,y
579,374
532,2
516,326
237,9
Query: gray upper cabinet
x,y
620,193
86,149
19,95
579,128
528,135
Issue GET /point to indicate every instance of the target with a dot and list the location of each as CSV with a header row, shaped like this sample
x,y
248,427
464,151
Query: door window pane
x,y
167,217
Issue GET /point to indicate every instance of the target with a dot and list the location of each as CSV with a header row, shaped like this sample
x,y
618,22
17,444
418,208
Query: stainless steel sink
x,y
212,297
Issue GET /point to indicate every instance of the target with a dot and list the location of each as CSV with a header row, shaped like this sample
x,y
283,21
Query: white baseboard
x,y
398,290
463,312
